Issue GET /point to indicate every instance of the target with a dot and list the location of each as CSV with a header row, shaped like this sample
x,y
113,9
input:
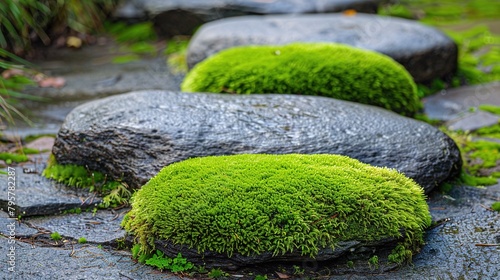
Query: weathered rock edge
x,y
132,136
347,250
425,52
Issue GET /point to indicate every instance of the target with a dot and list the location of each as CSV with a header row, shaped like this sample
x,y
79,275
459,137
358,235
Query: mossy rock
x,y
331,70
247,205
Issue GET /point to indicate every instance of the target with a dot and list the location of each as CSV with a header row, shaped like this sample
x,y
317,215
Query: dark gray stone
x,y
10,226
350,250
473,121
36,195
182,17
132,136
75,262
101,227
454,103
424,51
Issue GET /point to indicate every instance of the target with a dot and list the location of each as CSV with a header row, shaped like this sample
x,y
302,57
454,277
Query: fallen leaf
x,y
74,42
55,82
12,72
282,275
350,12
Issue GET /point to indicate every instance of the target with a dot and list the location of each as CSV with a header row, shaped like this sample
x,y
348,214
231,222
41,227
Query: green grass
x,y
331,70
23,20
251,204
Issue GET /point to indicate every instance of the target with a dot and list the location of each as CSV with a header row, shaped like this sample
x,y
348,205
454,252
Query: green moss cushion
x,y
331,70
252,204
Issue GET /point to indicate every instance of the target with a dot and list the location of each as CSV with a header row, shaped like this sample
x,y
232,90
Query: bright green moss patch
x,y
496,206
490,108
331,70
252,204
115,193
10,157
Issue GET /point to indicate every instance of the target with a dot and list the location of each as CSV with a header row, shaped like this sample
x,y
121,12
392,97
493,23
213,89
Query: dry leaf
x,y
12,72
282,275
74,42
350,12
55,82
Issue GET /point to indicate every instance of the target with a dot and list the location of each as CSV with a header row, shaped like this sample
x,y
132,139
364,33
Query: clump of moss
x,y
331,70
115,193
11,157
496,206
250,204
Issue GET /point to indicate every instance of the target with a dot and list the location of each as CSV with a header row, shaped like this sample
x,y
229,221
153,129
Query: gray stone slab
x,y
451,104
102,227
182,17
37,195
77,263
132,136
423,50
473,121
10,226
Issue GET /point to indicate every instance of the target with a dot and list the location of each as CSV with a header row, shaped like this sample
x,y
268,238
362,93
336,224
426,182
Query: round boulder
x,y
132,136
424,51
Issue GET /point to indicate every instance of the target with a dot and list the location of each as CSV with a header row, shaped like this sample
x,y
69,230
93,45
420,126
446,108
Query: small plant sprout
x,y
55,236
373,262
217,273
297,270
82,240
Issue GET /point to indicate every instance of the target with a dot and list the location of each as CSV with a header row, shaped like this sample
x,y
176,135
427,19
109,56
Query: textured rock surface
x,y
473,121
454,103
424,51
351,250
36,195
182,17
102,227
132,136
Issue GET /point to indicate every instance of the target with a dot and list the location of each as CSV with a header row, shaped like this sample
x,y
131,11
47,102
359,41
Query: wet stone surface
x,y
132,136
473,121
424,51
74,263
10,225
36,195
182,17
101,227
454,103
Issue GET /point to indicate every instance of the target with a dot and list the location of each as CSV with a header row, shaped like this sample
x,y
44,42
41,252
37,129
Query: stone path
x,y
424,51
182,17
451,252
454,106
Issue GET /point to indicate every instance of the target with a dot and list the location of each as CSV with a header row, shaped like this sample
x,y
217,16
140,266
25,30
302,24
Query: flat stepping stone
x,y
73,262
473,121
132,136
424,51
36,195
9,226
182,17
454,103
102,227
